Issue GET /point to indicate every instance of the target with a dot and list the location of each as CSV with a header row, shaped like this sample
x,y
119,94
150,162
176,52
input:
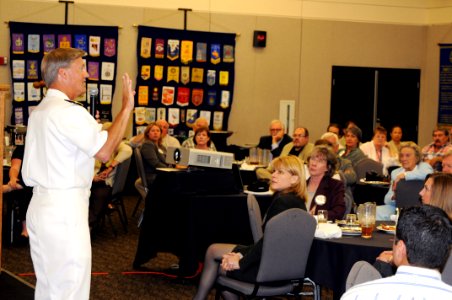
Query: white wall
x,y
296,63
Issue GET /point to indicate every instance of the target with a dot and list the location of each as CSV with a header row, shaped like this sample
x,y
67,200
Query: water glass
x,y
322,216
350,219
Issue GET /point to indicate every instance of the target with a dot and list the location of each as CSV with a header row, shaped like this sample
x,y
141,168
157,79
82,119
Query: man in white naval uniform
x,y
62,141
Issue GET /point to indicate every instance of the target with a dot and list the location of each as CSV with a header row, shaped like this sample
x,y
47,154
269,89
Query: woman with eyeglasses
x,y
324,192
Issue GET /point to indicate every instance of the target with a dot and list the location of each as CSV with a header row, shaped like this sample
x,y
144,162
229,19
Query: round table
x,y
330,260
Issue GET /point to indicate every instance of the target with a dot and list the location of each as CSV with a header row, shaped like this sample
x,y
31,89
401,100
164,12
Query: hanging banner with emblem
x,y
31,41
145,49
186,52
188,74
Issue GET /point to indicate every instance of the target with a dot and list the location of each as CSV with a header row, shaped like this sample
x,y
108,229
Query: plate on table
x,y
387,228
342,223
353,230
374,182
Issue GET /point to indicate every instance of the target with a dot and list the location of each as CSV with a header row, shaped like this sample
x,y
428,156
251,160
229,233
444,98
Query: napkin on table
x,y
328,231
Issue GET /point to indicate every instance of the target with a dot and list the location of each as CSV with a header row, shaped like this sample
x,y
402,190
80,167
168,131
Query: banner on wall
x,y
445,85
183,75
31,41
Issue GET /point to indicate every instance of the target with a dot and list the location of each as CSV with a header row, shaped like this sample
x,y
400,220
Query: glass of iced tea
x,y
366,217
367,229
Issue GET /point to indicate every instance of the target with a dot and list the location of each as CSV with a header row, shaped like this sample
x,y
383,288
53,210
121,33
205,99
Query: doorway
x,y
376,96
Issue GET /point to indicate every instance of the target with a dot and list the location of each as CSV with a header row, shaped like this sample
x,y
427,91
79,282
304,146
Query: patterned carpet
x,y
113,277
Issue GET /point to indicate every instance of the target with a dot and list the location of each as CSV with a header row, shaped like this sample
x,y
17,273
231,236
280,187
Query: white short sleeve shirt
x,y
62,139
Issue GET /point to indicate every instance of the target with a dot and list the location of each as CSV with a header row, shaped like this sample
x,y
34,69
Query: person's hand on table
x,y
230,261
386,256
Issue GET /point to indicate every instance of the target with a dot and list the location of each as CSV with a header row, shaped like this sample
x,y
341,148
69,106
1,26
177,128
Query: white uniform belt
x,y
43,190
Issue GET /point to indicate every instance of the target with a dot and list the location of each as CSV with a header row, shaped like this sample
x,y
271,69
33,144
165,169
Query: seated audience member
x,y
300,146
433,152
345,168
16,185
242,262
335,128
202,140
437,192
348,124
446,163
412,169
396,139
167,140
351,151
345,165
376,149
421,248
277,139
103,180
322,165
153,152
190,143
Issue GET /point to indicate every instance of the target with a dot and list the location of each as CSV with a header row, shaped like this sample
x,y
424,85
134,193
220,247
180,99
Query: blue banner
x,y
445,85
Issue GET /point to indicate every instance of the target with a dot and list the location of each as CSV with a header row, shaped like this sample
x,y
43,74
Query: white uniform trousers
x,y
57,223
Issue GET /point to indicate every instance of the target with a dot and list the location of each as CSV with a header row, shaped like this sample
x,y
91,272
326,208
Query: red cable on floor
x,y
198,271
33,274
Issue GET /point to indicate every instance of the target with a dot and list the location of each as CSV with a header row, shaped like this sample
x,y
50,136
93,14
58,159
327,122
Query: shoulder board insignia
x,y
74,102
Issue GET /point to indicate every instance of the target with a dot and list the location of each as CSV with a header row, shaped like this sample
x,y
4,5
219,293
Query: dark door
x,y
398,100
352,95
376,96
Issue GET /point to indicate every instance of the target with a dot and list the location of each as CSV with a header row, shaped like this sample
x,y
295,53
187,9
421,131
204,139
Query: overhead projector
x,y
202,158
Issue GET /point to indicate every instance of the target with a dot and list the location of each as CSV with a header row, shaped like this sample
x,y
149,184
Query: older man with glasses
x,y
277,139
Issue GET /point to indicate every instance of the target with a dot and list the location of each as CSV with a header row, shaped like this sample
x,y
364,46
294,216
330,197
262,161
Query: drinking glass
x,y
366,215
350,219
254,156
322,216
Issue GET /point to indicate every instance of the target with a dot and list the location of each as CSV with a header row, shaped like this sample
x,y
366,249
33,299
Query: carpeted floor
x,y
113,277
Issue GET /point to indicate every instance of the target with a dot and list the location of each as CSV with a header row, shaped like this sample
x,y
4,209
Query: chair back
x,y
446,275
286,244
140,168
254,213
120,177
348,194
361,272
407,193
367,165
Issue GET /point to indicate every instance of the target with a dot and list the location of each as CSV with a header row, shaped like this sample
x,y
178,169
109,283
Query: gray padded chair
x,y
286,244
361,272
141,183
367,165
348,195
446,275
407,193
254,213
